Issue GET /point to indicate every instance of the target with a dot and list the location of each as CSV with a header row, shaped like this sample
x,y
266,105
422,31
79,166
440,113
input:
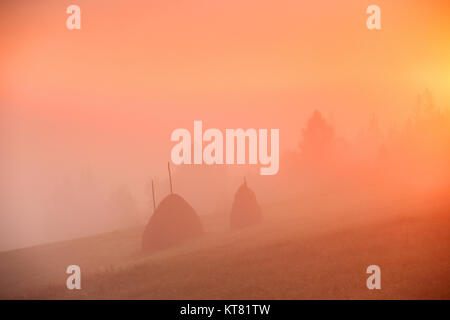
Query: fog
x,y
86,115
62,181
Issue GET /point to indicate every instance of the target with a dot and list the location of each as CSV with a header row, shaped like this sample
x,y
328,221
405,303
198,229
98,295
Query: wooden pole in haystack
x,y
170,177
153,194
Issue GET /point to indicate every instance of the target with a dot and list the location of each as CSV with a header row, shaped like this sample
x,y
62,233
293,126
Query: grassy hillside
x,y
299,252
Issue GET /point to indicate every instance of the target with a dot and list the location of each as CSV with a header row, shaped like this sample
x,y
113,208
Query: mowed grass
x,y
299,252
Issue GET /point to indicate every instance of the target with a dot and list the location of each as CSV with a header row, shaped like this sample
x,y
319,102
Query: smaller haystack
x,y
173,222
245,210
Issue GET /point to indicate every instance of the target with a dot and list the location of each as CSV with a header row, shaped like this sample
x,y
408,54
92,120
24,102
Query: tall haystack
x,y
245,210
173,222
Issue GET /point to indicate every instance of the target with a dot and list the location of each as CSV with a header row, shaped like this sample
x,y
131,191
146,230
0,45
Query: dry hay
x,y
245,210
173,222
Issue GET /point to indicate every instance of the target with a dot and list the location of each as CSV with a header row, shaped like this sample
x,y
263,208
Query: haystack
x,y
173,222
245,210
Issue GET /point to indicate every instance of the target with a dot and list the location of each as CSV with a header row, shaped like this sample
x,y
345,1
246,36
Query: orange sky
x,y
228,63
133,74
110,94
189,53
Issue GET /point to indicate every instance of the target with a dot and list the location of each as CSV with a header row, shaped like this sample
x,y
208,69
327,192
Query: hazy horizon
x,y
102,101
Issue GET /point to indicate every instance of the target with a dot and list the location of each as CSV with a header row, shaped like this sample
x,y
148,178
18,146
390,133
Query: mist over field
x,y
47,201
332,211
86,118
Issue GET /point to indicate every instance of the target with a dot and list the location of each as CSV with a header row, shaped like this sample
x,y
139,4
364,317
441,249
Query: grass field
x,y
299,252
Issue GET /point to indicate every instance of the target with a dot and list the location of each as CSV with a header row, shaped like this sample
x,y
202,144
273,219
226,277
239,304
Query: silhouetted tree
x,y
317,138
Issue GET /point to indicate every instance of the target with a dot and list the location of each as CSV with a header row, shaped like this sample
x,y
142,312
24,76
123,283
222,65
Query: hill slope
x,y
303,253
